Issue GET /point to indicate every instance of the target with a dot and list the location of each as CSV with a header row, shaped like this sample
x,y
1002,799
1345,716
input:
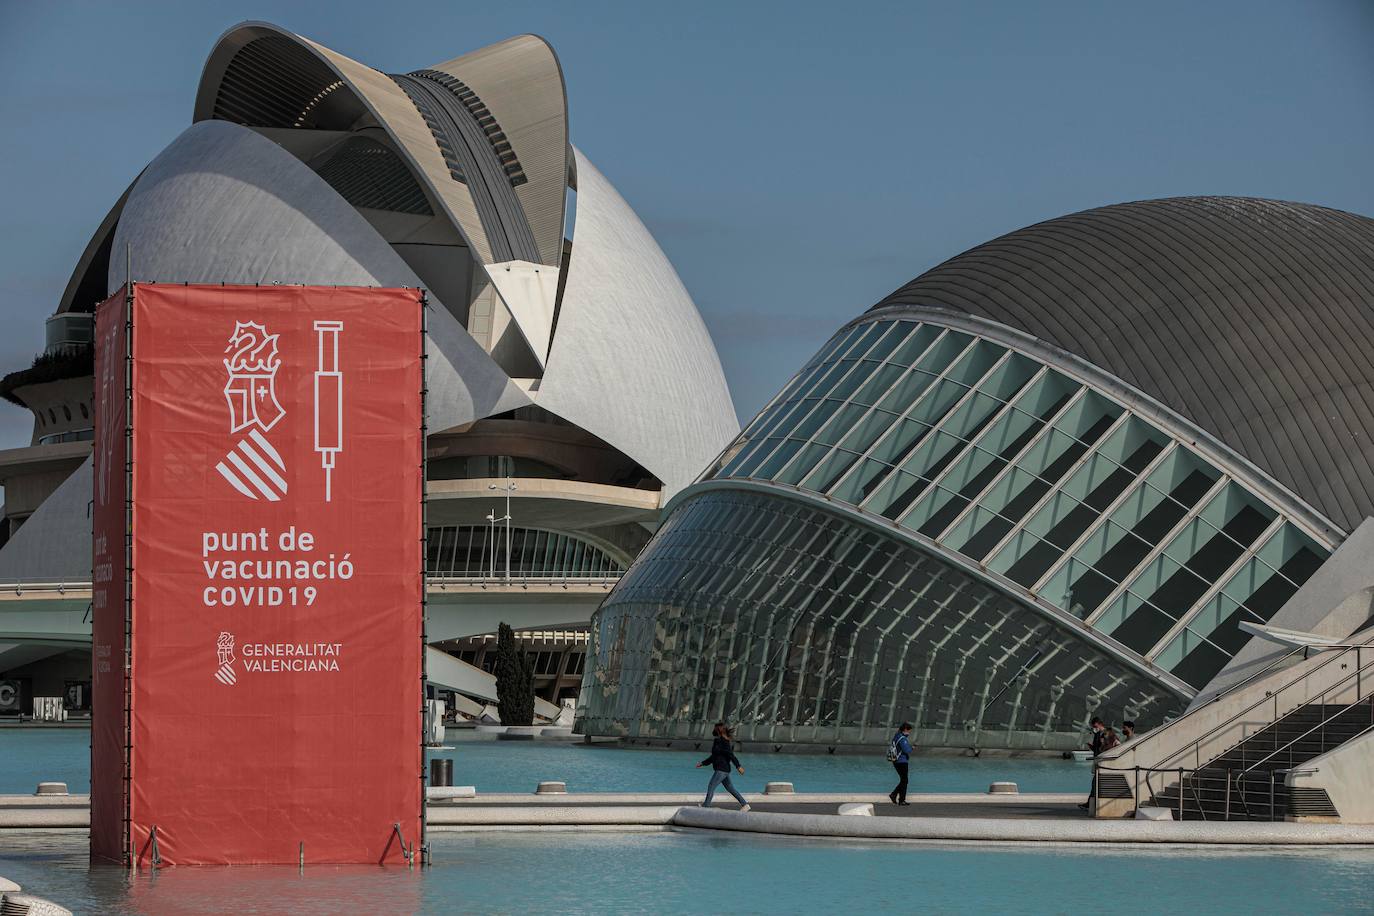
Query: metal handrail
x,y
1247,681
1320,725
1183,776
1266,670
1269,696
523,581
1272,695
60,585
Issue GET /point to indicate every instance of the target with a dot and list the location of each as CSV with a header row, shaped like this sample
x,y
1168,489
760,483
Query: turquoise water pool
x,y
30,755
692,872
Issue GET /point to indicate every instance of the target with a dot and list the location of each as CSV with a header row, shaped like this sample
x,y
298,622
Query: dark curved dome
x,y
1252,318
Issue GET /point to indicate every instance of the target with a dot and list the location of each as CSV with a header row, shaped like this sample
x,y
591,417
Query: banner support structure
x,y
126,778
424,559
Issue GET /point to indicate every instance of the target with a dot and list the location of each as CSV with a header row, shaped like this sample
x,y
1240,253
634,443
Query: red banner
x,y
277,574
109,523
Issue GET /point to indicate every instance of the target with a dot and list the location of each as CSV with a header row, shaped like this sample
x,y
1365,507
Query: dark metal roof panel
x,y
1252,318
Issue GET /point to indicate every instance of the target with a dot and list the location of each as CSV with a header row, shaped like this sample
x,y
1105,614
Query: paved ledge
x,y
754,798
44,801
26,818
552,816
1005,830
577,799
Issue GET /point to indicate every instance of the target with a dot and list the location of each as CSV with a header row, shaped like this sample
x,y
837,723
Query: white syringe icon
x,y
328,401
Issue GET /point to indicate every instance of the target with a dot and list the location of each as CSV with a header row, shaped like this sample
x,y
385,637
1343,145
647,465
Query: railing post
x,y
1227,813
1271,795
1092,799
1180,793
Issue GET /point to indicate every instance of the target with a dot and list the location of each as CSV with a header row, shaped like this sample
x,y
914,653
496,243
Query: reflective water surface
x,y
31,755
690,872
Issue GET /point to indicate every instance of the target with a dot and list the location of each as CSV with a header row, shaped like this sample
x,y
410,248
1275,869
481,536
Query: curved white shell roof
x,y
625,355
54,542
223,204
631,360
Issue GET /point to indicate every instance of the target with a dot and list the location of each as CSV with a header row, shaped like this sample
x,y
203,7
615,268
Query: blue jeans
x,y
718,778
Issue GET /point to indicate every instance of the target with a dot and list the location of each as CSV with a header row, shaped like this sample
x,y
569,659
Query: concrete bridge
x,y
40,619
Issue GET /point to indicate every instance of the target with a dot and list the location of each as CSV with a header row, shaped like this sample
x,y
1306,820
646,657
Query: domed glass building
x,y
1065,473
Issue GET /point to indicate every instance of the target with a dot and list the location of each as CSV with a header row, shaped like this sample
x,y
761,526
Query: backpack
x,y
893,751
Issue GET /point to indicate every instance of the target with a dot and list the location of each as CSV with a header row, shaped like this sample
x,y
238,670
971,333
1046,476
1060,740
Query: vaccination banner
x,y
277,574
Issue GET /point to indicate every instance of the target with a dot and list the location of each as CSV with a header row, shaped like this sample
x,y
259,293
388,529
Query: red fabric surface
x,y
265,719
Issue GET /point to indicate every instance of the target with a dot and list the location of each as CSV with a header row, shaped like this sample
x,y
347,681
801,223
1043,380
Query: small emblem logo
x,y
224,650
253,467
252,386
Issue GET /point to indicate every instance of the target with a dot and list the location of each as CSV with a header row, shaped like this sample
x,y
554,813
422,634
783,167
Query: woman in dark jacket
x,y
722,756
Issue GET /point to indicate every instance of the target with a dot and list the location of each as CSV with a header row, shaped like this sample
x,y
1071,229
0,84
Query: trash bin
x,y
441,771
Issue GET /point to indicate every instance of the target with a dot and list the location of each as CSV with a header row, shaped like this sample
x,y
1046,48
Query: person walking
x,y
1110,740
1099,729
1104,739
899,752
1127,731
722,756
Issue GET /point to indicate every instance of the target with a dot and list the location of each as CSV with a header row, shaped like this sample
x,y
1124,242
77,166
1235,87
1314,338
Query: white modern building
x,y
568,369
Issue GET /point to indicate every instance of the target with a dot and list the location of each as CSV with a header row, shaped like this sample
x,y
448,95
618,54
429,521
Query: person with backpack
x,y
899,753
722,756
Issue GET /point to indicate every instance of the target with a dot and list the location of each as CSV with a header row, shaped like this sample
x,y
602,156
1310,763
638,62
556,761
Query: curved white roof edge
x,y
631,360
83,264
55,541
520,80
387,103
185,220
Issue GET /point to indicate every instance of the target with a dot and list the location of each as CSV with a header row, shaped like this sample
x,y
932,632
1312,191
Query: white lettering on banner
x,y
291,648
219,568
273,658
277,665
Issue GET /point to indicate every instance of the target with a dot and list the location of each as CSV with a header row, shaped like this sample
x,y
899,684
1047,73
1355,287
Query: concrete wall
x,y
48,677
1347,775
25,493
66,405
54,543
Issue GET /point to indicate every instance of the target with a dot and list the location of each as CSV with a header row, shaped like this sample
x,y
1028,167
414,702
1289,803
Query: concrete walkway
x,y
602,809
1021,819
992,829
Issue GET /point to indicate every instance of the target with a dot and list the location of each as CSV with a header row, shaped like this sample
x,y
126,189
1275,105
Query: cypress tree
x,y
514,679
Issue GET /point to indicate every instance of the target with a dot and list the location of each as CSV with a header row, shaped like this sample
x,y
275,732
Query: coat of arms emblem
x,y
252,386
253,467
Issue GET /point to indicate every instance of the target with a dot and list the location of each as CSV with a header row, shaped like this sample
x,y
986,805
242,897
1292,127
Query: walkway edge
x,y
1235,833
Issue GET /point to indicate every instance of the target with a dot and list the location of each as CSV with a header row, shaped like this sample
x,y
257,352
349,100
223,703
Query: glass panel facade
x,y
958,481
1057,488
802,626
479,552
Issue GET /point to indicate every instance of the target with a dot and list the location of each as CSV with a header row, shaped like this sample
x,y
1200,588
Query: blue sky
x,y
796,161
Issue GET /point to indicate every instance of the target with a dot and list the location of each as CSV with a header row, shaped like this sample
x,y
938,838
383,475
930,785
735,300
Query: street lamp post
x,y
491,539
509,488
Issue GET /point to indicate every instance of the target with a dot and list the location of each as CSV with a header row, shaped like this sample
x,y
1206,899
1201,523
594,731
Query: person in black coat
x,y
722,756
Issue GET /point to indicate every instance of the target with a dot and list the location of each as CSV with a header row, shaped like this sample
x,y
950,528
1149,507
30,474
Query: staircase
x,y
1234,757
1247,782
